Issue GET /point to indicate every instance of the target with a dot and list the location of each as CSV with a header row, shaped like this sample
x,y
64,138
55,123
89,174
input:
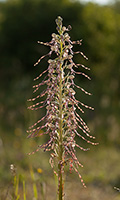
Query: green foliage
x,y
34,184
24,190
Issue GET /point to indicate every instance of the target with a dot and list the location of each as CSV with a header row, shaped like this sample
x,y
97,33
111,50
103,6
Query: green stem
x,y
60,159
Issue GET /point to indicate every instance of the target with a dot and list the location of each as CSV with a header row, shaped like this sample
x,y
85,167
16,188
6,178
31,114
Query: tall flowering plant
x,y
61,121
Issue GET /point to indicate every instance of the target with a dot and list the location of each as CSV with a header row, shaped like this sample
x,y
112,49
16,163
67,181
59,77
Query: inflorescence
x,y
61,121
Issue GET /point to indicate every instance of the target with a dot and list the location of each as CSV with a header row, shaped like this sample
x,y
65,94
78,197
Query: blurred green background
x,y
22,24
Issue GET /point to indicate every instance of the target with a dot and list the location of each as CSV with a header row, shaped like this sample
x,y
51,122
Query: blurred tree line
x,y
24,22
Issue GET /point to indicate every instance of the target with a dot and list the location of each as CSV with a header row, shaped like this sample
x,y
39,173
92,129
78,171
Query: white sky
x,y
98,1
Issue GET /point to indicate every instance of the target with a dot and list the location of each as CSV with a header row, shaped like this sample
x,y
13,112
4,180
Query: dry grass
x,y
100,172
